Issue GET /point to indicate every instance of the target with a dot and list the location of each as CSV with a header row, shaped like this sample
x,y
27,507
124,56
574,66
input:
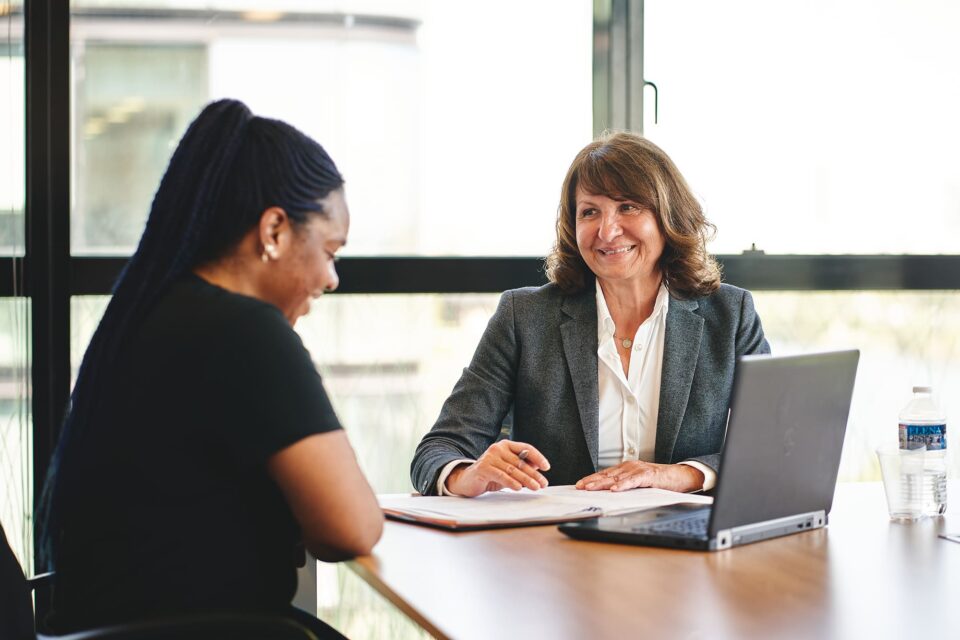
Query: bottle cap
x,y
923,389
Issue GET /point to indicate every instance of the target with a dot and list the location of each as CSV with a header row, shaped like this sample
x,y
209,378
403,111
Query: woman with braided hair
x,y
200,448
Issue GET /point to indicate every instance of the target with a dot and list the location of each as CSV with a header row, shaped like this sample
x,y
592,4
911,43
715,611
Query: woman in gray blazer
x,y
618,373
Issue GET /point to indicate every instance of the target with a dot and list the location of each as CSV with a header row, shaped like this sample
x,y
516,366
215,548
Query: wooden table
x,y
861,577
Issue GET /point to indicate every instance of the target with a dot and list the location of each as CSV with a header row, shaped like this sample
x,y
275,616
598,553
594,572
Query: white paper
x,y
552,503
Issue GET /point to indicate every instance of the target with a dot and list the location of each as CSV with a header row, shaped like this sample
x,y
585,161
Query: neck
x,y
239,273
630,303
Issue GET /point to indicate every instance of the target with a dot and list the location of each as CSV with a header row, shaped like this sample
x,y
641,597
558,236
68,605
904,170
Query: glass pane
x,y
388,380
816,127
351,606
16,450
905,339
449,145
132,104
12,127
85,314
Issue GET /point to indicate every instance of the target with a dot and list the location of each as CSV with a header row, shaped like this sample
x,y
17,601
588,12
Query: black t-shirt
x,y
169,508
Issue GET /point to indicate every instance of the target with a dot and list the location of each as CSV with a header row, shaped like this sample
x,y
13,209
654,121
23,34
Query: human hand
x,y
500,466
636,473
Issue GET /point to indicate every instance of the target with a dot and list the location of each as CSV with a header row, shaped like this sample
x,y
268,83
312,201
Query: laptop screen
x,y
788,416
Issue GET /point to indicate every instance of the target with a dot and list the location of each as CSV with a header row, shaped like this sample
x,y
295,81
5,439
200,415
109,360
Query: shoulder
x,y
205,301
546,295
726,297
728,309
202,315
725,307
539,304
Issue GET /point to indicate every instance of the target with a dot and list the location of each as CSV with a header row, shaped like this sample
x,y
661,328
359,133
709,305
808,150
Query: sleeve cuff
x,y
442,480
709,475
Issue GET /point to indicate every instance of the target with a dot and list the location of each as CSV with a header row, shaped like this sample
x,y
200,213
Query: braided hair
x,y
228,168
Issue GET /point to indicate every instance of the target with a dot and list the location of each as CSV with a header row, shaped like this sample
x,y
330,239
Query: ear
x,y
275,228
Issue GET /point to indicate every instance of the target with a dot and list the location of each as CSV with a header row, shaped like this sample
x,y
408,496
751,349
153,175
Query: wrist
x,y
455,474
696,476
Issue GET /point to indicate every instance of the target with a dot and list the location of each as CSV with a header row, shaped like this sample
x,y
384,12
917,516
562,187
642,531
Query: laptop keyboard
x,y
695,526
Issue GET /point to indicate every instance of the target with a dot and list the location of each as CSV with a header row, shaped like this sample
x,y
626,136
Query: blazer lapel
x,y
680,350
578,330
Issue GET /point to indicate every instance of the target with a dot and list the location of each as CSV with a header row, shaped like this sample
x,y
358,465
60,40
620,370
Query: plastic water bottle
x,y
924,426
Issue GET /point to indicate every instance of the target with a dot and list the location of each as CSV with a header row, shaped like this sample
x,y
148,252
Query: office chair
x,y
17,617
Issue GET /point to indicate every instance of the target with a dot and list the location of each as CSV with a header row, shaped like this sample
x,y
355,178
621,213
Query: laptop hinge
x,y
736,536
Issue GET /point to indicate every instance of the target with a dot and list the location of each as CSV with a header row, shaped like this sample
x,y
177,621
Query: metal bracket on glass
x,y
656,100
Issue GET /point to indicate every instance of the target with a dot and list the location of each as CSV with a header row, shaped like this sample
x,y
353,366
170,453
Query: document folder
x,y
525,508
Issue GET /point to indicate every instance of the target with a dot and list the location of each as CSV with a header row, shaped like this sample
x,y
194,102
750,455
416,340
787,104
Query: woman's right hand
x,y
501,466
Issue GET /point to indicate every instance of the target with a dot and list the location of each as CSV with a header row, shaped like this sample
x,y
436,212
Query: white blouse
x,y
630,404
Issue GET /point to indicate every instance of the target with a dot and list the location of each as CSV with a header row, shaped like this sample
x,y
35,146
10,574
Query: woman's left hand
x,y
636,473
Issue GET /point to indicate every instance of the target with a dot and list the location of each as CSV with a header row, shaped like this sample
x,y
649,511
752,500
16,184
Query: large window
x,y
823,128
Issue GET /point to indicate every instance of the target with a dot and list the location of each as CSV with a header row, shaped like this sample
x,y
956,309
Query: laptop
x,y
779,464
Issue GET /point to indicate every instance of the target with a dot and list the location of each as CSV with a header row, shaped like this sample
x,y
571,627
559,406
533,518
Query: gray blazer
x,y
538,357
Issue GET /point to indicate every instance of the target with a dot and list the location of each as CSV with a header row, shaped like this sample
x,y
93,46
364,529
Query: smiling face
x,y
303,267
620,240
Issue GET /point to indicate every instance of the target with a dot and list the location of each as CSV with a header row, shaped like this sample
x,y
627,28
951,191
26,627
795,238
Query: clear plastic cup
x,y
903,481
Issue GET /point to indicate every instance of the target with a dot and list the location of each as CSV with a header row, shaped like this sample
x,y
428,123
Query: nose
x,y
333,280
609,226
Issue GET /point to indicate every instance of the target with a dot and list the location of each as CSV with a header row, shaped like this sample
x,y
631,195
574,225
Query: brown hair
x,y
626,166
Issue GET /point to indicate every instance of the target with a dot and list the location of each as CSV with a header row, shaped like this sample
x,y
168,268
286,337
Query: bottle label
x,y
931,436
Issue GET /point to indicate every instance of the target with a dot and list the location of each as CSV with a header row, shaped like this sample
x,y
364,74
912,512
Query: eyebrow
x,y
619,199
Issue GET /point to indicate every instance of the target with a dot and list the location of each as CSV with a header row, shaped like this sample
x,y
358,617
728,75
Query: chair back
x,y
16,607
200,627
